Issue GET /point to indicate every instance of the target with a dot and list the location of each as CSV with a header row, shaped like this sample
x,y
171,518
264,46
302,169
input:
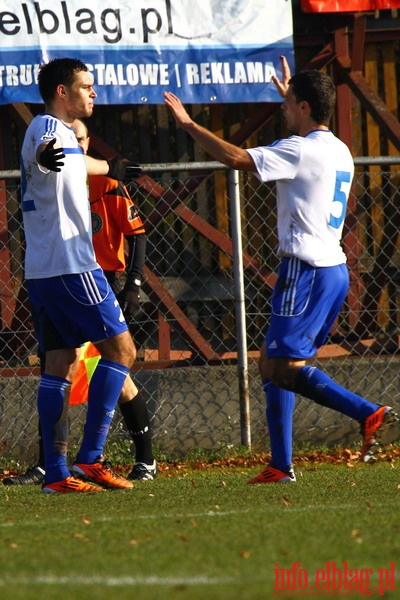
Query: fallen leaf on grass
x,y
86,521
351,456
355,534
286,501
245,554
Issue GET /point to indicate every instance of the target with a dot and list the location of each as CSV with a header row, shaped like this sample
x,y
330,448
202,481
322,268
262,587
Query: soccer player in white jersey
x,y
313,171
70,298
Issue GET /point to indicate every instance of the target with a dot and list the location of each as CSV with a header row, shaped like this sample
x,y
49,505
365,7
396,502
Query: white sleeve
x,y
42,135
278,161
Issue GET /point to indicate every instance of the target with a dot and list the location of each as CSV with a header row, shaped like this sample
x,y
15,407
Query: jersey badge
x,y
97,223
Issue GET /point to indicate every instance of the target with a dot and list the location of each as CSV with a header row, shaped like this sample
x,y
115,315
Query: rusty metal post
x,y
240,308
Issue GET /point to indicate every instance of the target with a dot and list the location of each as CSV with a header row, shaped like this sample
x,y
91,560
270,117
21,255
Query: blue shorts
x,y
70,310
305,303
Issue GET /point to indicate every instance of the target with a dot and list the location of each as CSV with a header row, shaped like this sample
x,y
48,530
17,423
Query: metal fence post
x,y
240,308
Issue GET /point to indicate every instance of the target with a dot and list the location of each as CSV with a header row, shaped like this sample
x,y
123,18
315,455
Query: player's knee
x,y
130,353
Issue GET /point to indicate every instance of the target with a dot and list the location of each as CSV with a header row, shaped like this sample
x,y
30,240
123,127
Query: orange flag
x,y
88,360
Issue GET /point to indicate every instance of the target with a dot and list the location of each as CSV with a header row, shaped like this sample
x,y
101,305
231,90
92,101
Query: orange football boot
x,y
271,475
102,474
70,484
378,429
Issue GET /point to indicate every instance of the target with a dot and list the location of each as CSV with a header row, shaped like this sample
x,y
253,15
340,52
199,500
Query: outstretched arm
x,y
96,166
225,152
115,168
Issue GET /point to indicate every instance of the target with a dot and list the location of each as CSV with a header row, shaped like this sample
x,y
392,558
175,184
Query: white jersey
x,y
313,176
55,206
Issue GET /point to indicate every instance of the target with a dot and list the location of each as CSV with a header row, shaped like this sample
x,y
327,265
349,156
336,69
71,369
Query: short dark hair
x,y
56,72
318,90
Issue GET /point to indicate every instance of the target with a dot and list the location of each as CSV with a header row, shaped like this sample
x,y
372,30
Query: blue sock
x,y
104,390
52,403
280,407
316,385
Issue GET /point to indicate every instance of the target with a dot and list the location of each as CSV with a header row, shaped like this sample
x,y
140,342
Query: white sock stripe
x,y
122,370
54,385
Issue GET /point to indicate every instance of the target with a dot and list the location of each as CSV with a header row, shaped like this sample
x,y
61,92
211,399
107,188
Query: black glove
x,y
117,168
133,170
50,157
121,169
129,299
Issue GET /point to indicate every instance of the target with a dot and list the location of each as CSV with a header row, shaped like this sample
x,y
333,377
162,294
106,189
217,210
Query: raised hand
x,y
282,86
177,109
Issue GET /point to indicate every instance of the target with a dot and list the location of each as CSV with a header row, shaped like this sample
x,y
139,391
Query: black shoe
x,y
34,475
144,472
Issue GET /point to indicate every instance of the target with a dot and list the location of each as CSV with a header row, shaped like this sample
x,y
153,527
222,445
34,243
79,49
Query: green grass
x,y
195,534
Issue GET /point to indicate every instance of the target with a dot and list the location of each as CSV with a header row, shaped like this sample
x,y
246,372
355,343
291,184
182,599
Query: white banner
x,y
206,51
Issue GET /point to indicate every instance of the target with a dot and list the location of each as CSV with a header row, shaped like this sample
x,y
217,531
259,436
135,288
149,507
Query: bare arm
x,y
225,152
96,166
229,154
49,156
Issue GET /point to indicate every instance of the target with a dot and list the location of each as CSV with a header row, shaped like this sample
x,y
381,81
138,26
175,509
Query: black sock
x,y
137,420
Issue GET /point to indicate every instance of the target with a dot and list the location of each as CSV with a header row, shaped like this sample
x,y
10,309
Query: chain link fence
x,y
198,374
